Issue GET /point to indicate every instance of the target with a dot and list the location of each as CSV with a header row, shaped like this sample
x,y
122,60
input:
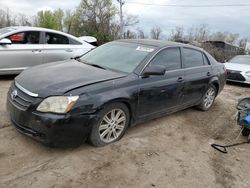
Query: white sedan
x,y
23,47
238,69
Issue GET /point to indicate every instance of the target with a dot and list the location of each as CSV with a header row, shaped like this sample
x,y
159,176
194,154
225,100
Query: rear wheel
x,y
208,98
111,126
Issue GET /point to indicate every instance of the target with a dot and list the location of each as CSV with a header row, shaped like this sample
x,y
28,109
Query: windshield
x,y
123,57
241,60
5,30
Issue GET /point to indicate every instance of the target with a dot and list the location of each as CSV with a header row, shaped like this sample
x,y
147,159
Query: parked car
x,y
238,69
23,47
117,85
89,39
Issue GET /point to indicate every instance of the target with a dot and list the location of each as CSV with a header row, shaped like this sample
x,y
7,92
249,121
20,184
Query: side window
x,y
169,57
29,37
74,42
205,59
192,58
53,38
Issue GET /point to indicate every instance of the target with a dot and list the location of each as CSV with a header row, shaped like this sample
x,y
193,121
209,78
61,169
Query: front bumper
x,y
51,129
237,76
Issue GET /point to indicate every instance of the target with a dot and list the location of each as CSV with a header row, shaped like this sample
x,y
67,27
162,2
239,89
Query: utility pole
x,y
121,2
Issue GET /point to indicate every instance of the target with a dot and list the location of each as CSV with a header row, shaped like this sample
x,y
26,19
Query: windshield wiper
x,y
95,65
76,58
91,64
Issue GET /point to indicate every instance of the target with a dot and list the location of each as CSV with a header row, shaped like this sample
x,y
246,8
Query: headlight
x,y
248,73
57,104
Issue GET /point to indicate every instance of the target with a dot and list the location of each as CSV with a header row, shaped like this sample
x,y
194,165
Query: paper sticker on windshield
x,y
144,49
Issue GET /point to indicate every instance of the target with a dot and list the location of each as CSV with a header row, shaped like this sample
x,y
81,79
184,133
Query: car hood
x,y
61,77
237,67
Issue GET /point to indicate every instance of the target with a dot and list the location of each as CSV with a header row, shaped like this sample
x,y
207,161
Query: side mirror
x,y
5,41
154,70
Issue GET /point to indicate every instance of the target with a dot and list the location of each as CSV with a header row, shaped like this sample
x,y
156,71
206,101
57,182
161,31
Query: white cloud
x,y
231,19
30,7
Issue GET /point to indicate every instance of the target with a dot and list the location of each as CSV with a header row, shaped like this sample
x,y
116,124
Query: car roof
x,y
245,56
158,43
21,28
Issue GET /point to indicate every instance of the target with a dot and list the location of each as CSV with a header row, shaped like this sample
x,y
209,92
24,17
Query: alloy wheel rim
x,y
112,125
209,97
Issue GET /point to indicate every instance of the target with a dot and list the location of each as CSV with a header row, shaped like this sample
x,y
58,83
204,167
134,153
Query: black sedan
x,y
117,85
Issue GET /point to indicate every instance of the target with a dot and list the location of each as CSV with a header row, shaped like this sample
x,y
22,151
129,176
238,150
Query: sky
x,y
225,19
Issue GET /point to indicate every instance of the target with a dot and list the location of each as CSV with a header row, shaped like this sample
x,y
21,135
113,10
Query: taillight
x,y
225,70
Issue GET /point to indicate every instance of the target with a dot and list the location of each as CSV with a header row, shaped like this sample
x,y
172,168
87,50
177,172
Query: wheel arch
x,y
215,82
124,101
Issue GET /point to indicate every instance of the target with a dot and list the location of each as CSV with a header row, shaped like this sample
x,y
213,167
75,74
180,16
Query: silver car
x,y
238,69
23,47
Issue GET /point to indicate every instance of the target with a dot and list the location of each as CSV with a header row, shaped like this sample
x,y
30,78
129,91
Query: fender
x,y
215,81
93,100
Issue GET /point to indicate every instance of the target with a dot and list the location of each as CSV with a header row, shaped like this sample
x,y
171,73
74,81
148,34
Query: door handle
x,y
208,74
36,51
69,50
180,79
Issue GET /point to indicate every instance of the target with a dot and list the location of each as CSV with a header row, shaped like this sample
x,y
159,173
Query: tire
x,y
111,126
245,132
208,98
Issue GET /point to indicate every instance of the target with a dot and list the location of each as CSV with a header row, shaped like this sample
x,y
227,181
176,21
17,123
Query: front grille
x,y
235,75
20,99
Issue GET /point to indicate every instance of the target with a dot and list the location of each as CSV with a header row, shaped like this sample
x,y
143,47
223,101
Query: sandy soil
x,y
172,151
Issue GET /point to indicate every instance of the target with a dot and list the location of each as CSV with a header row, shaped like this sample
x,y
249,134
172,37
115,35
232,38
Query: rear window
x,y
206,61
192,58
54,38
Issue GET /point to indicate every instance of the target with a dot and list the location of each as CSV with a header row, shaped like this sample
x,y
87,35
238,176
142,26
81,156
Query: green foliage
x,y
49,19
95,18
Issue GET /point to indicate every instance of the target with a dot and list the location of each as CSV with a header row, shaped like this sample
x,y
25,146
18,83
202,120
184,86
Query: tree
x,y
242,42
95,18
23,20
6,19
49,19
155,33
177,34
130,20
59,14
202,33
141,34
129,34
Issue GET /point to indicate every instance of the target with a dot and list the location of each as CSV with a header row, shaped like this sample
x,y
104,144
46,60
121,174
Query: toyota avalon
x,y
96,97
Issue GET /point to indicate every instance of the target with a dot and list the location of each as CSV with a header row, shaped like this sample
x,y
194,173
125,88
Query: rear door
x,y
198,72
25,51
57,47
162,93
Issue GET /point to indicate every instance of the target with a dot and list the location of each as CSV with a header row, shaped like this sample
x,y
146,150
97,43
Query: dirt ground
x,y
172,151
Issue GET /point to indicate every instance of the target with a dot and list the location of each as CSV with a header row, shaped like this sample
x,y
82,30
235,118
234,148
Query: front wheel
x,y
111,126
208,98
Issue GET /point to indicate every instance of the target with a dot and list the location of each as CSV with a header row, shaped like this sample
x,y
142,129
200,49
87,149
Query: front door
x,y
25,51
